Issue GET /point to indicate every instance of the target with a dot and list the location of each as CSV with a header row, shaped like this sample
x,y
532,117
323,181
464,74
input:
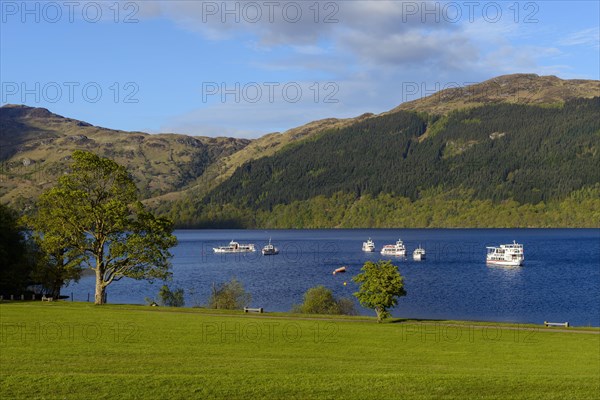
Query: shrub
x,y
229,296
320,300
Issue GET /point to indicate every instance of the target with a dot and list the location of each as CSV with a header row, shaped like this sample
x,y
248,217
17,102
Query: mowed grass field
x,y
67,350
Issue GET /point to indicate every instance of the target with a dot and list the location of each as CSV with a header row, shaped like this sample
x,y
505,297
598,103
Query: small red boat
x,y
341,269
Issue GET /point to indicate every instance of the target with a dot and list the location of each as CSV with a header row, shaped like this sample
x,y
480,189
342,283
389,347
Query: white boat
x,y
235,247
270,250
368,246
507,254
419,254
397,249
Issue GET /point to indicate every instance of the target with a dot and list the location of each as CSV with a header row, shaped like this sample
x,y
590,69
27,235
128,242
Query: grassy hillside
x,y
35,148
524,89
75,351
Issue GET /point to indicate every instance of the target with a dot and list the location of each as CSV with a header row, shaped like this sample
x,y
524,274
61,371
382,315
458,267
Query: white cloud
x,y
371,52
384,33
587,37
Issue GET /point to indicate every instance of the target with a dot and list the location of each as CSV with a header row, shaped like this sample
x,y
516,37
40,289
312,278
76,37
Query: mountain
x,y
521,142
35,148
517,150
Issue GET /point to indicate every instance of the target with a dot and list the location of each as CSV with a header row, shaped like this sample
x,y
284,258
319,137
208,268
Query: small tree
x,y
380,287
94,213
229,296
320,300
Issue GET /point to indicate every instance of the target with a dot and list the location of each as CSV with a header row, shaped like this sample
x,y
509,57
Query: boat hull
x,y
394,253
507,263
232,251
235,247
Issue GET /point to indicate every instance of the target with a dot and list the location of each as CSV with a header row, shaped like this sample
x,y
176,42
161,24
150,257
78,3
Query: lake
x,y
559,281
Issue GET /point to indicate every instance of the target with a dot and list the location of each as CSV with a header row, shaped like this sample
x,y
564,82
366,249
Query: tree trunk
x,y
56,290
379,314
99,297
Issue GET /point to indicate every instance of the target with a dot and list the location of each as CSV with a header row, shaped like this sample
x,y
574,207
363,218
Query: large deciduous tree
x,y
93,215
380,287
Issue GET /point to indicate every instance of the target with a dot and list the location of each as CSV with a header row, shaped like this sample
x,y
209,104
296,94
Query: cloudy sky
x,y
246,68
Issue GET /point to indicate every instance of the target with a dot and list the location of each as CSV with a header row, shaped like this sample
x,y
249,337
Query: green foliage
x,y
229,296
55,269
380,287
59,258
436,126
16,255
170,298
435,208
93,213
320,300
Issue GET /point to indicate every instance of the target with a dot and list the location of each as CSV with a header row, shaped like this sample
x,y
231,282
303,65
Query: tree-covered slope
x,y
499,152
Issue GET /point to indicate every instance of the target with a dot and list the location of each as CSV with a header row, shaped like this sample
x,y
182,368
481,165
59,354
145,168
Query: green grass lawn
x,y
79,351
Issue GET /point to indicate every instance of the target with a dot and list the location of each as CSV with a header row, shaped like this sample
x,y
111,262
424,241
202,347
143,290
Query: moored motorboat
x,y
368,246
397,249
506,254
270,250
419,254
235,247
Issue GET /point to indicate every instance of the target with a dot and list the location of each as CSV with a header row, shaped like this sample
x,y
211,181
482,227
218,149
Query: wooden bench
x,y
565,324
44,298
258,310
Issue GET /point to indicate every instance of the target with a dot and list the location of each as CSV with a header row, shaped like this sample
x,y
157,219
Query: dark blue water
x,y
560,280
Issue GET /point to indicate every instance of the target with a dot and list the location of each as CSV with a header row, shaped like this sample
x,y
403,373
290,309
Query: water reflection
x,y
506,273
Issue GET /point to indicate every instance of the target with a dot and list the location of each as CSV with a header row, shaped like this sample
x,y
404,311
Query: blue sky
x,y
247,68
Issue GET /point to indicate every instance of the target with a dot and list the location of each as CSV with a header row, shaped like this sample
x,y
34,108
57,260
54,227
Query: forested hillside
x,y
530,155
